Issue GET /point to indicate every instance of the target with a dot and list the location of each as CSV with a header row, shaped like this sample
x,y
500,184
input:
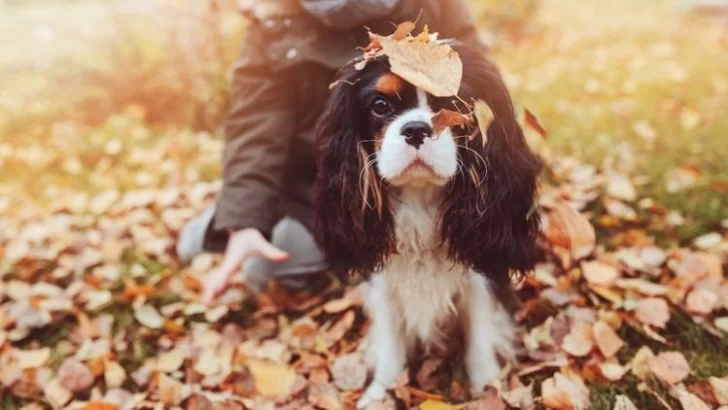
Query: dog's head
x,y
377,133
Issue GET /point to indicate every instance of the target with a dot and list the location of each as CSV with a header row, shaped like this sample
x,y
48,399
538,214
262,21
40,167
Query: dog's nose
x,y
415,133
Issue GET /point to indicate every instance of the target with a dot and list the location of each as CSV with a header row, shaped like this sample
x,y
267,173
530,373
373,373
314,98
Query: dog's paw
x,y
374,393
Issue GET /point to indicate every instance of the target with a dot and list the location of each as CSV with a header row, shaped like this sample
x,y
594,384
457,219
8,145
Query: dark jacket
x,y
280,84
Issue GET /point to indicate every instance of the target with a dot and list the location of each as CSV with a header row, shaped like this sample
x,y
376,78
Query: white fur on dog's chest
x,y
422,284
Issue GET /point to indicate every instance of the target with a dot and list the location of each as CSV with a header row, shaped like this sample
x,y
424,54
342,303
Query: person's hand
x,y
241,245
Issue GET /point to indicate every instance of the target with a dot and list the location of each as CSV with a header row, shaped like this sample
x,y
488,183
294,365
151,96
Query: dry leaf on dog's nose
x,y
447,118
435,68
485,117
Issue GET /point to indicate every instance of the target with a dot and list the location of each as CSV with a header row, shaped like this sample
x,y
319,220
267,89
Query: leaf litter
x,y
96,312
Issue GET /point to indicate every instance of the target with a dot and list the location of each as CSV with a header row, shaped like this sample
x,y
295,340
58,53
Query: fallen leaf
x,y
565,392
432,67
437,405
148,316
325,396
56,394
621,187
607,339
520,397
29,359
708,241
114,374
642,286
272,380
100,405
349,372
722,323
623,402
702,301
339,329
75,376
568,228
403,30
580,340
599,273
640,363
532,121
720,389
613,371
670,367
485,117
689,401
490,402
653,312
169,390
426,375
170,361
447,118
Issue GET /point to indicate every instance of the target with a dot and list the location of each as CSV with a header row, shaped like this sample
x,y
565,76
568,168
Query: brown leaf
x,y
446,118
272,380
580,340
485,117
325,396
426,376
403,30
653,312
598,273
607,339
339,329
169,390
670,367
641,362
75,376
533,122
565,392
434,68
720,389
702,301
349,372
566,227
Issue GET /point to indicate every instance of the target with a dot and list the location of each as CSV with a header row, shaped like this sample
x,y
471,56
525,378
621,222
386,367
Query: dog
x,y
437,225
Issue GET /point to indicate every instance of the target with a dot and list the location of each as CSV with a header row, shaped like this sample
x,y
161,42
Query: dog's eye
x,y
380,106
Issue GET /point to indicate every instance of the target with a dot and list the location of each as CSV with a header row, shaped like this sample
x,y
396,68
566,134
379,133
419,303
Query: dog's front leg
x,y
488,329
385,342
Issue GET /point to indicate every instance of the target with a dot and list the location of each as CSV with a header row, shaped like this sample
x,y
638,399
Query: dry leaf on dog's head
x,y
435,68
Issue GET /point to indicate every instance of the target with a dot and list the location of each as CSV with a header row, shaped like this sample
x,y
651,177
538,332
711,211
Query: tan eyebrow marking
x,y
390,84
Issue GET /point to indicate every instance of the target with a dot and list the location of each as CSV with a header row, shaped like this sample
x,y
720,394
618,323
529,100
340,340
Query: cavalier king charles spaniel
x,y
436,224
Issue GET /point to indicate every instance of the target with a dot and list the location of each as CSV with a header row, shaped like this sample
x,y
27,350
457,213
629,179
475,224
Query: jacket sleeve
x,y
258,131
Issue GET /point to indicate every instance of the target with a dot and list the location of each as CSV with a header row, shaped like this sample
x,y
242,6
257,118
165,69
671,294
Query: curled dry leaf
x,y
485,117
720,389
624,403
670,367
349,372
75,376
640,363
607,339
702,301
653,312
565,392
533,122
580,340
447,118
599,273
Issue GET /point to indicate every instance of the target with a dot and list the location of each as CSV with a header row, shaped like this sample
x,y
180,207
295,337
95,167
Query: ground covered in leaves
x,y
628,311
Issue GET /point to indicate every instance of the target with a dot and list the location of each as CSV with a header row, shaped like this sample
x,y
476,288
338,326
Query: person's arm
x,y
259,132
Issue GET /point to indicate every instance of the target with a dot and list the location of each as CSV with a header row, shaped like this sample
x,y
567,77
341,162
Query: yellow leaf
x,y
438,405
485,117
273,380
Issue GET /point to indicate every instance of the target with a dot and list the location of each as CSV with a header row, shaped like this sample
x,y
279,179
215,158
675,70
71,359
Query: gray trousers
x,y
289,235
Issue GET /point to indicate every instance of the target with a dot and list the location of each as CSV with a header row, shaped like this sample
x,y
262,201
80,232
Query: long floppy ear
x,y
353,222
488,219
